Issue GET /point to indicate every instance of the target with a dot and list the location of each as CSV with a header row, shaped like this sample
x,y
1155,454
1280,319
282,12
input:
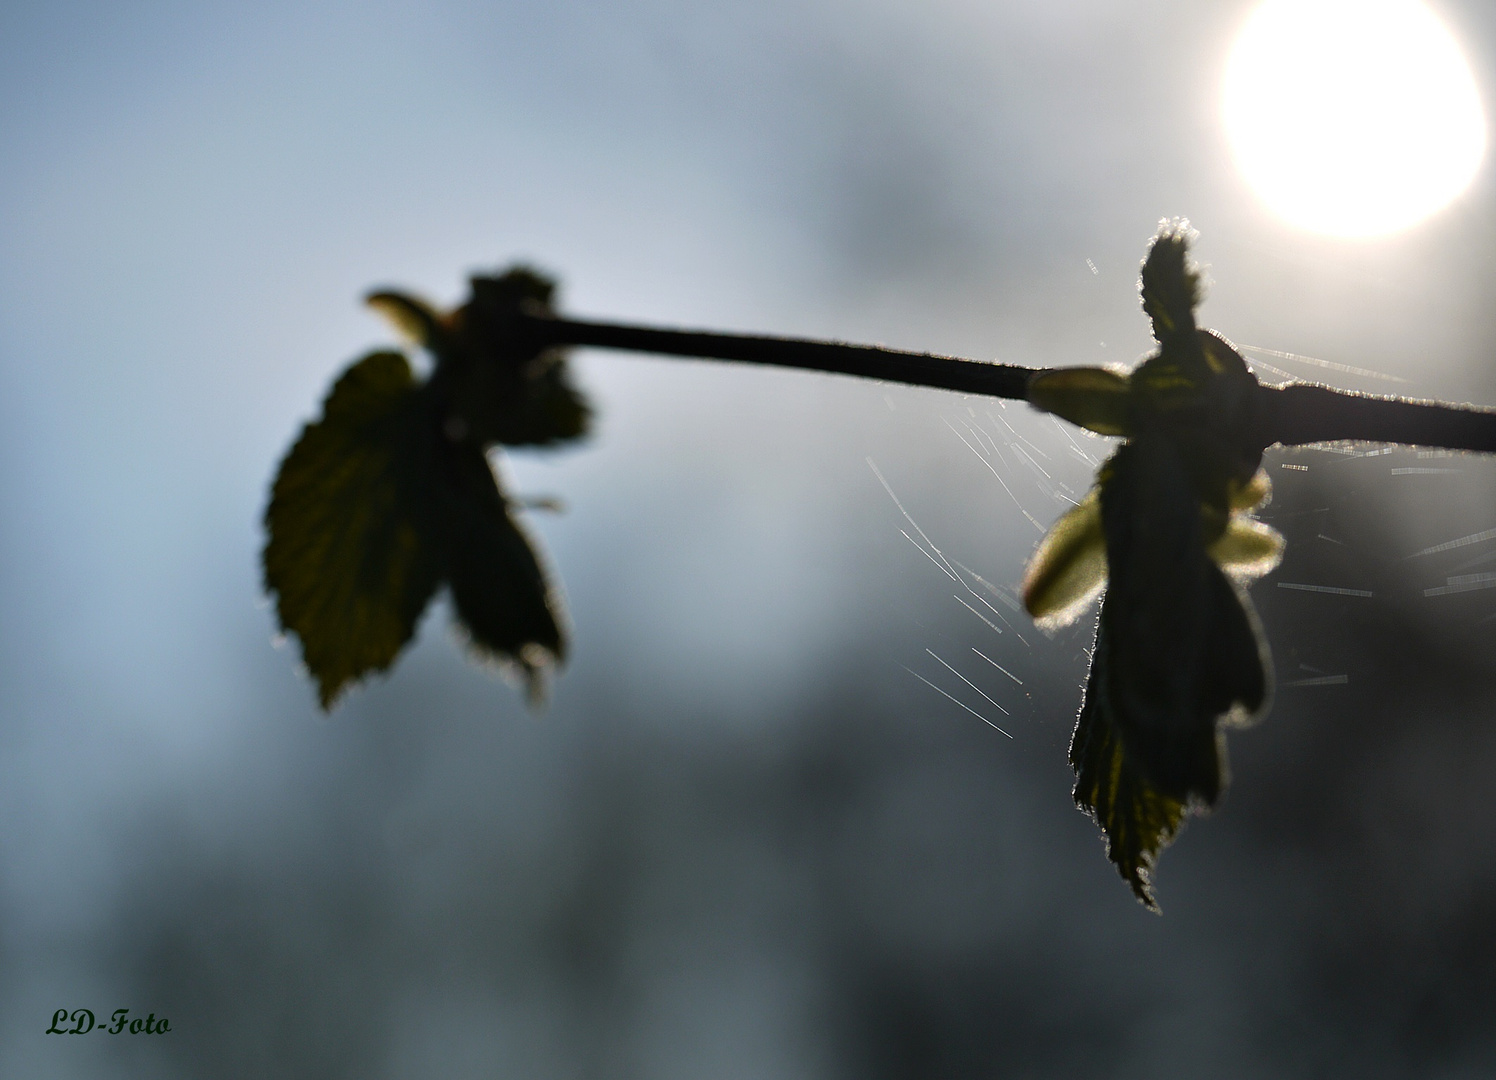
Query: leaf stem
x,y
1293,415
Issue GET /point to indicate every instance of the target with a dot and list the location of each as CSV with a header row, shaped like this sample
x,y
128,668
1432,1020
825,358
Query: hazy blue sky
x,y
743,840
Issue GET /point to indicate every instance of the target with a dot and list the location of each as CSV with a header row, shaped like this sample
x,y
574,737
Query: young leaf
x,y
1178,652
1069,567
1137,820
502,596
372,509
350,554
1170,282
416,320
1182,649
1094,398
390,493
548,409
1254,493
504,386
1247,548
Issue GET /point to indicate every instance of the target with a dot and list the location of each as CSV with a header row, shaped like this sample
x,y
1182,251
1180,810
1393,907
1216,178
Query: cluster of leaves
x,y
1167,531
391,493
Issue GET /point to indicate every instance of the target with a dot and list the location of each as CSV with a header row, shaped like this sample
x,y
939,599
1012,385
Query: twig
x,y
867,361
1292,415
1305,413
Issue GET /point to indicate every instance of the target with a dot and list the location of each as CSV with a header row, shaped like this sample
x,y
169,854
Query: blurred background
x,y
749,836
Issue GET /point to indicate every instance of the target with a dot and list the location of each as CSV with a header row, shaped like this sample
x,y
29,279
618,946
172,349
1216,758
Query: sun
x,y
1352,117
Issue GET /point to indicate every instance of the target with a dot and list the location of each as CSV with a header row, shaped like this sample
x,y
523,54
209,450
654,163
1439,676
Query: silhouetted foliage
x,y
1178,650
391,493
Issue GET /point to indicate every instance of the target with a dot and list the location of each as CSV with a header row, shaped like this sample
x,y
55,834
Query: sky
x,y
747,837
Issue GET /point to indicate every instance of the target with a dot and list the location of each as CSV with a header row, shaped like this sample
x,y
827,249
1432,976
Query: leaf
x,y
1255,492
501,595
1137,820
372,509
502,383
349,553
1183,646
548,409
1094,398
415,319
1247,548
1178,653
1170,282
1069,567
391,492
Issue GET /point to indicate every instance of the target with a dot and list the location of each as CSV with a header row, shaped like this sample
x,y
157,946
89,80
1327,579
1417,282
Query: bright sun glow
x,y
1352,117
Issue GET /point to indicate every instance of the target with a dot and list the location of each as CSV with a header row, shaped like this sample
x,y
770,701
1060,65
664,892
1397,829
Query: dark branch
x,y
1298,414
866,361
1292,415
